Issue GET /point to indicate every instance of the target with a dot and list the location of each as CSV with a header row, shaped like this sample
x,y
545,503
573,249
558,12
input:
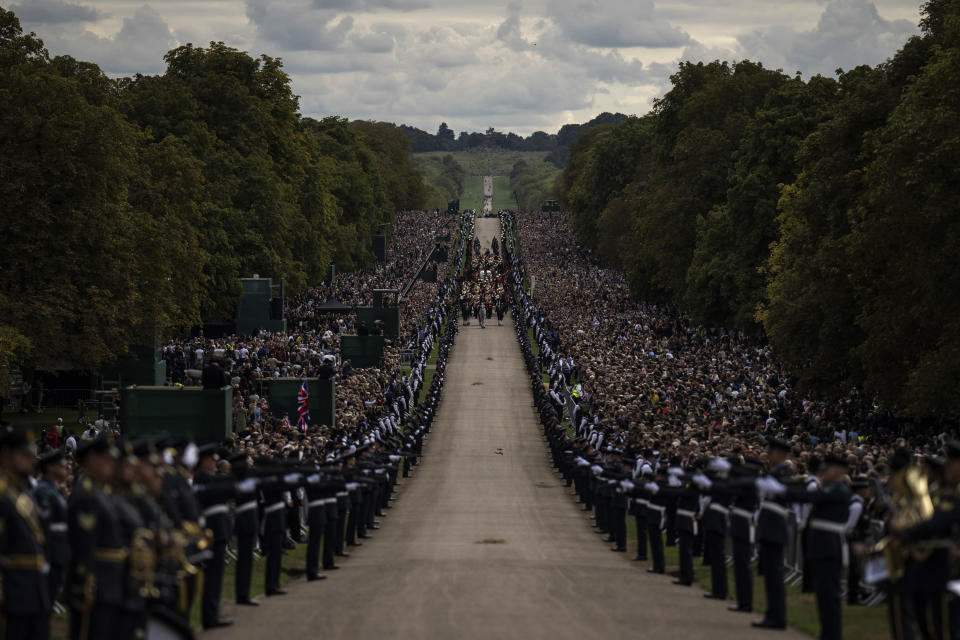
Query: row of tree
x,y
133,206
557,143
820,213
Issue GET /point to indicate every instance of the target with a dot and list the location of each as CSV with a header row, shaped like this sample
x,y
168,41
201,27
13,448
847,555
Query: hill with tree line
x,y
556,143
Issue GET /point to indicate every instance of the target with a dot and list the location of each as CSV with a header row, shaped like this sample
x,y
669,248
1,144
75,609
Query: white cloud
x,y
54,12
523,66
138,47
848,33
615,23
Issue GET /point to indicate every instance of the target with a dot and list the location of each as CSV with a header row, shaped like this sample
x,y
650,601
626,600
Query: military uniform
x,y
743,510
246,527
772,539
52,511
827,549
95,578
213,492
26,601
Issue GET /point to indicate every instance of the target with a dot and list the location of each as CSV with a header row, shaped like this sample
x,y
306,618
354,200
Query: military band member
x,y
26,601
52,511
95,577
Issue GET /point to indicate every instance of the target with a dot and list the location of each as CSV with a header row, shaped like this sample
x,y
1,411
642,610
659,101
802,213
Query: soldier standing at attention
x,y
52,511
246,525
212,494
26,601
772,537
95,577
827,542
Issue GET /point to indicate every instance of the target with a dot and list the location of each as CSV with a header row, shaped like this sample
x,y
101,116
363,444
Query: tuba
x,y
911,505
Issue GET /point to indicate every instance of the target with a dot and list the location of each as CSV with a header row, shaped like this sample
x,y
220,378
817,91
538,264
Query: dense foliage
x,y
818,213
133,206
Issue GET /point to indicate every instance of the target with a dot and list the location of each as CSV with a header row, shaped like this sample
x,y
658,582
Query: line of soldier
x,y
146,518
760,505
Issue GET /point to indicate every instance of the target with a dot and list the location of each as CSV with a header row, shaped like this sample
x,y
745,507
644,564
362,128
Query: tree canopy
x,y
817,213
132,207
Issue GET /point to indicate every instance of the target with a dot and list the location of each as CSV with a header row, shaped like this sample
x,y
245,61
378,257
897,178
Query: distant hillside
x,y
521,176
556,145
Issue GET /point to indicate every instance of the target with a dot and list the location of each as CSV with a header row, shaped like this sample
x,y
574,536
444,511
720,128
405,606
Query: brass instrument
x,y
912,504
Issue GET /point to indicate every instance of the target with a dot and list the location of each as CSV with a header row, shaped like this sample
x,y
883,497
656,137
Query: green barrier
x,y
204,415
321,400
380,247
389,315
253,307
142,367
362,351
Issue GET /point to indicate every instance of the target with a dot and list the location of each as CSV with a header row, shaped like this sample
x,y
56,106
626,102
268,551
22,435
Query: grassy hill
x,y
535,186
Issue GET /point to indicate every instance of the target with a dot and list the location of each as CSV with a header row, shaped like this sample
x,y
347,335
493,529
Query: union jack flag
x,y
303,407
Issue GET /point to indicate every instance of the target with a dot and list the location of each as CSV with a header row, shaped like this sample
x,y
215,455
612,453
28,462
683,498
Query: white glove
x,y
702,481
394,458
652,487
292,478
314,479
596,469
248,486
353,486
721,466
767,486
627,485
674,481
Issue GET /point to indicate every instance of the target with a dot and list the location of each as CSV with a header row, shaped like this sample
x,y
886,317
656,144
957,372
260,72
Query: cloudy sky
x,y
517,66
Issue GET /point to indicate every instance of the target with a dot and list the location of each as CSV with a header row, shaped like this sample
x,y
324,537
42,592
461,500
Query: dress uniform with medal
x,y
52,511
95,578
25,599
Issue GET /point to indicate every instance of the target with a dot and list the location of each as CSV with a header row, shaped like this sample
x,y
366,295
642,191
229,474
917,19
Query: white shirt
x,y
856,510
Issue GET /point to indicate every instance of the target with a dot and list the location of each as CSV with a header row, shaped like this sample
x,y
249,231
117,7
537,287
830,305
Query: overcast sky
x,y
516,66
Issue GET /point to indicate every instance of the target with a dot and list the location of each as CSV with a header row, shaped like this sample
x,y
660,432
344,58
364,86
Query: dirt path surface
x,y
487,194
486,542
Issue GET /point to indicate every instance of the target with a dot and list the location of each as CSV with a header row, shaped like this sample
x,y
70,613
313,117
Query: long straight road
x,y
485,541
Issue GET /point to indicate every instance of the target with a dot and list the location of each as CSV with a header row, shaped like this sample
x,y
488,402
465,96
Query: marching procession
x,y
482,292
698,439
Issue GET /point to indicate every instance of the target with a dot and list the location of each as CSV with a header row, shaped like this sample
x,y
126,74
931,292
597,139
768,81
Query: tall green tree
x,y
725,282
905,239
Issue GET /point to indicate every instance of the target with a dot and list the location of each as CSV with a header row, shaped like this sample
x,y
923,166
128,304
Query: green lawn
x,y
485,162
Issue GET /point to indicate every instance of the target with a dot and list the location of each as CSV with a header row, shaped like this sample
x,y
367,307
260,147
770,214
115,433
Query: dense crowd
x,y
699,435
311,345
119,530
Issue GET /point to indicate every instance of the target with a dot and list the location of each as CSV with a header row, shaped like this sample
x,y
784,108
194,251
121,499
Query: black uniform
x,y
274,527
827,550
212,493
26,600
95,577
318,497
771,539
688,502
743,534
246,526
715,531
52,511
